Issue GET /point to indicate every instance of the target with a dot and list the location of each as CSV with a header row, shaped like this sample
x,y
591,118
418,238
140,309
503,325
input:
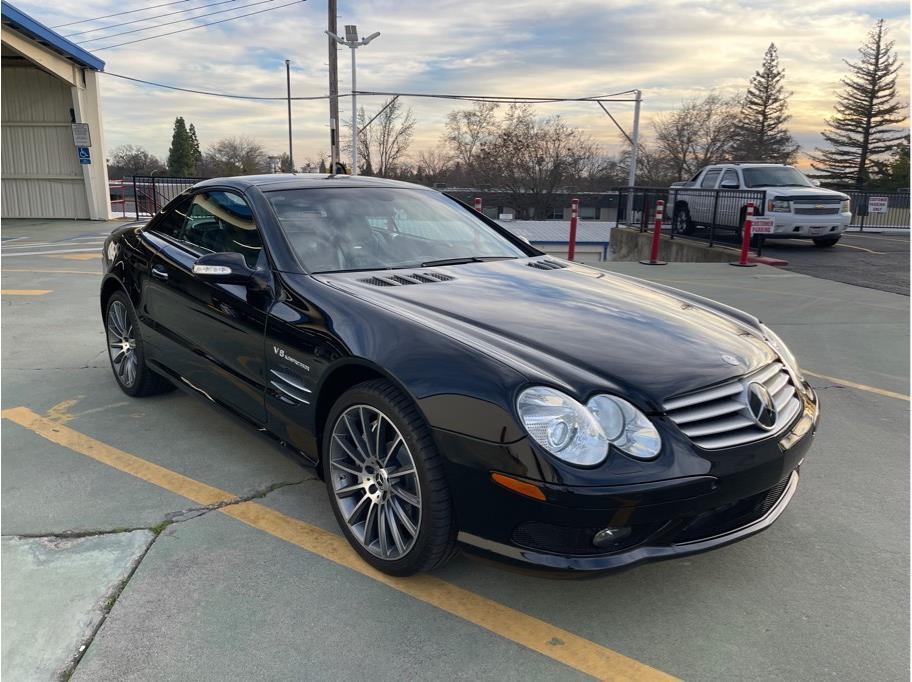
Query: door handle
x,y
158,272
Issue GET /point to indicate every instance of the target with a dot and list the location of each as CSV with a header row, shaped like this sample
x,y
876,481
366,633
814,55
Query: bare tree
x,y
532,159
468,129
698,133
235,156
432,165
383,138
128,160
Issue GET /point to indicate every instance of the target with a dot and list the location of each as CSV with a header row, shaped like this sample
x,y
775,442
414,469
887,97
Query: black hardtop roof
x,y
285,181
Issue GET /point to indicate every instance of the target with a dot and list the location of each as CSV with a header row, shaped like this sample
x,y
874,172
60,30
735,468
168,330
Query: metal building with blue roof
x,y
53,159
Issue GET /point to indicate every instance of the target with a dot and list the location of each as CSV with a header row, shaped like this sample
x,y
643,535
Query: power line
x,y
136,21
192,28
211,94
120,14
180,21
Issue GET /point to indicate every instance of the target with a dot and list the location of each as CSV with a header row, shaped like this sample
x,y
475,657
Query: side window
x,y
730,177
709,180
172,221
222,221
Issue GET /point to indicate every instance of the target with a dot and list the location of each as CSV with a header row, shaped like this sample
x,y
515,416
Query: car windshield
x,y
775,176
374,228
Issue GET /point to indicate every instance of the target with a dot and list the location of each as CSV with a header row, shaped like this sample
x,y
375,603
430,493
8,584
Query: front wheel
x,y
386,481
824,242
126,352
681,222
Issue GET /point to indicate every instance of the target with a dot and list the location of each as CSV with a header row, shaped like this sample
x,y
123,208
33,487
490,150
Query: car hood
x,y
573,326
805,194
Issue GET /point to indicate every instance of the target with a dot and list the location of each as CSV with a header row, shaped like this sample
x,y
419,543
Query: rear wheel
x,y
823,242
681,222
125,350
386,481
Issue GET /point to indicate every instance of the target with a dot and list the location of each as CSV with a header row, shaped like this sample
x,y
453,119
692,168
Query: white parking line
x,y
49,253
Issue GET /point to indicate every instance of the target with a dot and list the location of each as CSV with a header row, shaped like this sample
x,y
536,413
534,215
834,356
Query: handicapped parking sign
x,y
84,156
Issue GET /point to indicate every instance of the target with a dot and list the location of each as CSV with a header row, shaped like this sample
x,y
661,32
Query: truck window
x,y
730,177
709,180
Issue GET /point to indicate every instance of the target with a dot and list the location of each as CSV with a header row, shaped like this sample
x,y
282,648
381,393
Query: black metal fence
x,y
697,213
881,210
151,193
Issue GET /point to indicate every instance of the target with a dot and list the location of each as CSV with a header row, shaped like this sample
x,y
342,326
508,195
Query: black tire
x,y
144,381
681,222
824,242
435,542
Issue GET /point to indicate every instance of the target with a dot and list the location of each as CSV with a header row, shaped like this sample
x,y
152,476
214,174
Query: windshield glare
x,y
775,176
372,228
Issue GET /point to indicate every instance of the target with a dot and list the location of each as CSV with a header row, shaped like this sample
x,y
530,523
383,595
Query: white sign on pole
x,y
81,136
878,204
762,226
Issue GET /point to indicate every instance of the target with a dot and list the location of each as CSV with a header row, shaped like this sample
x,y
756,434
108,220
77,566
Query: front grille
x,y
720,417
816,210
731,516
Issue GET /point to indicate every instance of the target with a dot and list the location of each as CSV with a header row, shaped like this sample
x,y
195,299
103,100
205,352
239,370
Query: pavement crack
x,y
196,512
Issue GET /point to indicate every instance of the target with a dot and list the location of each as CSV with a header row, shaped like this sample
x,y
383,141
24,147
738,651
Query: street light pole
x,y
288,91
333,88
351,40
634,148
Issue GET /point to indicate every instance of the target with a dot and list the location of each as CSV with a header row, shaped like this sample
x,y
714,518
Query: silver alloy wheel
x,y
375,482
122,344
680,222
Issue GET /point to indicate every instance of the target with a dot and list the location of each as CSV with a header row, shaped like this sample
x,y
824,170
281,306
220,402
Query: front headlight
x,y
846,205
562,426
625,426
783,351
779,206
580,434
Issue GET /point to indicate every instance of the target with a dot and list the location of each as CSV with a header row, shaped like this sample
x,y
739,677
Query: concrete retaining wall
x,y
632,245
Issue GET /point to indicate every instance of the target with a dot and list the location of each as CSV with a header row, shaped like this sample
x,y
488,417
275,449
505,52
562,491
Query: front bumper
x,y
790,225
668,519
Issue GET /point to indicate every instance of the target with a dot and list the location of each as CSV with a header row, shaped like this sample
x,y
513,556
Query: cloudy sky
x,y
670,49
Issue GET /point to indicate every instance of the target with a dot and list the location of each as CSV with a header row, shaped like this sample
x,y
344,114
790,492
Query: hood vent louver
x,y
410,278
546,264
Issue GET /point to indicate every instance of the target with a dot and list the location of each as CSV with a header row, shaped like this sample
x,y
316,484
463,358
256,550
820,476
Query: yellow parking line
x,y
24,292
860,387
532,633
51,272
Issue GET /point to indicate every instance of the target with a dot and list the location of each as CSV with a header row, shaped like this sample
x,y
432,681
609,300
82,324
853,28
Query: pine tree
x,y
195,147
861,130
760,132
181,160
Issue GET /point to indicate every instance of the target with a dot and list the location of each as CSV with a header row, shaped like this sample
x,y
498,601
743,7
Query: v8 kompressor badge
x,y
285,356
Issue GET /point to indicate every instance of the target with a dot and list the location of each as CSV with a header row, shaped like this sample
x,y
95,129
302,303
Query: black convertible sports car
x,y
451,383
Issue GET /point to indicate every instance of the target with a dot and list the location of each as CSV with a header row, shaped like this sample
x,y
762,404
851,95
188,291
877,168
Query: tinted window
x,y
775,176
709,180
373,228
730,177
173,220
220,222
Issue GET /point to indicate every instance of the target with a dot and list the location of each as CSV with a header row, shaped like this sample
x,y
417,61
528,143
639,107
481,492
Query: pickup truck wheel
x,y
681,222
823,242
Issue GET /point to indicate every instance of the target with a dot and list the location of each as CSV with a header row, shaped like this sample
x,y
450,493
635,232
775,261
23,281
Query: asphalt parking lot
x,y
158,539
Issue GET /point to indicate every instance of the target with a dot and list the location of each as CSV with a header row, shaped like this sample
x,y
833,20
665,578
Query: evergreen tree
x,y
181,159
760,132
861,130
195,147
285,163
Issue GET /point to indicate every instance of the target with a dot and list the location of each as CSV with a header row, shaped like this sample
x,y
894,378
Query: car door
x,y
213,332
730,201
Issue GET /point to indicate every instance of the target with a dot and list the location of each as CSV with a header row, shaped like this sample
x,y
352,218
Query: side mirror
x,y
228,267
729,185
816,183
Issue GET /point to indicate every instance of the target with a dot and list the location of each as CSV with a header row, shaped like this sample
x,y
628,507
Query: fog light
x,y
610,536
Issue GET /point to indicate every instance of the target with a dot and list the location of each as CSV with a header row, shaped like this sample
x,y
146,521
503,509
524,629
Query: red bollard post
x,y
574,214
478,204
656,234
746,238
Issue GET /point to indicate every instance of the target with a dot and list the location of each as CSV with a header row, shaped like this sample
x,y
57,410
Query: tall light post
x,y
351,41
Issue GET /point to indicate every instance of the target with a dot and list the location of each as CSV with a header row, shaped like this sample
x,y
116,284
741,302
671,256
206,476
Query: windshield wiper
x,y
463,261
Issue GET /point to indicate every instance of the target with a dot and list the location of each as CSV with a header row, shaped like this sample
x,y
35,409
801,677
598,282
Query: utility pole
x,y
333,88
352,41
634,148
288,91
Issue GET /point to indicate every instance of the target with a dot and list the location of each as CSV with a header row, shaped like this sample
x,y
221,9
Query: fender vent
x,y
410,278
546,264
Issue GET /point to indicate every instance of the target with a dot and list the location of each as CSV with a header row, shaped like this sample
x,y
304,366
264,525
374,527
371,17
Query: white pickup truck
x,y
718,195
